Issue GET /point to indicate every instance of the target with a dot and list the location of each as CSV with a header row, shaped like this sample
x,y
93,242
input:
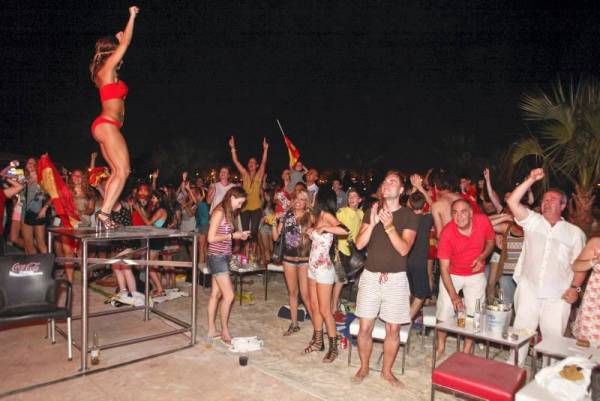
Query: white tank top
x,y
220,191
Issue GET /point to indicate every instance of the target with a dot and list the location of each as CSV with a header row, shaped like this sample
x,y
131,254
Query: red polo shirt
x,y
462,250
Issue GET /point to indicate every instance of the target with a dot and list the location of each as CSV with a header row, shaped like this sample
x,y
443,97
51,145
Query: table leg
x,y
194,289
241,279
433,357
147,283
517,357
487,350
84,306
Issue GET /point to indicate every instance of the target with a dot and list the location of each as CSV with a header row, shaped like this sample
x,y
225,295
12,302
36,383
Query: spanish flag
x,y
62,200
293,151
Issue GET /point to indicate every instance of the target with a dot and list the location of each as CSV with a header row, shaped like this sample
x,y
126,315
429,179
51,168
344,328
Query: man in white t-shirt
x,y
219,188
312,176
546,285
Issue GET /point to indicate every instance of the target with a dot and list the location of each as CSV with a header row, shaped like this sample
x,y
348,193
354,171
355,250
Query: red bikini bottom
x,y
102,120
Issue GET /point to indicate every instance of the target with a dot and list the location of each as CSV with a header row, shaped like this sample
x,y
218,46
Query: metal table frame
x,y
467,331
145,234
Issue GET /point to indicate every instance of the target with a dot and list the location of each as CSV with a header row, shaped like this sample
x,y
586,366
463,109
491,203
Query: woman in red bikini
x,y
106,127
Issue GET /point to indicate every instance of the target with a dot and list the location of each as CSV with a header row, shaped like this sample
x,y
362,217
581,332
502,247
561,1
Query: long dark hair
x,y
235,192
162,204
326,201
105,46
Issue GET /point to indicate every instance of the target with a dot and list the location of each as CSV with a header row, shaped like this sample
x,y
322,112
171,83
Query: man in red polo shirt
x,y
465,243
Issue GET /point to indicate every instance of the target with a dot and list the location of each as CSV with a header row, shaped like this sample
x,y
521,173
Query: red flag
x,y
97,174
293,151
62,200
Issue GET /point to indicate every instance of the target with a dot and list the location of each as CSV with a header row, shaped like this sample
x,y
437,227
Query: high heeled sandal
x,y
293,328
104,222
316,343
332,352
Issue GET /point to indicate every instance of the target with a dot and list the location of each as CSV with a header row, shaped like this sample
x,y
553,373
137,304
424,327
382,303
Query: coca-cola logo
x,y
25,269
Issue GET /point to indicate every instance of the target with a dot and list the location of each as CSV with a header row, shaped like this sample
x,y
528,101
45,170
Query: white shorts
x,y
383,294
322,275
473,288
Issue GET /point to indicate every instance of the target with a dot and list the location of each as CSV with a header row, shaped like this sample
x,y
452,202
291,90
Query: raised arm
x,y
13,189
514,200
263,162
491,193
417,182
93,157
234,158
124,37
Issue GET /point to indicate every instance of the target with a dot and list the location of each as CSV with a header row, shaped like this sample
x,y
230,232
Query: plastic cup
x,y
243,360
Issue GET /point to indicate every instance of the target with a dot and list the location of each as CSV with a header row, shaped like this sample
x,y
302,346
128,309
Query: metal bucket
x,y
497,318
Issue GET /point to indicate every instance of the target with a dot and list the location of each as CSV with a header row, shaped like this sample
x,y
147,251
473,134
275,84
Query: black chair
x,y
28,291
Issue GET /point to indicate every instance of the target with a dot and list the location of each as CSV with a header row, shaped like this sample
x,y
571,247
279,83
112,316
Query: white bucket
x,y
497,319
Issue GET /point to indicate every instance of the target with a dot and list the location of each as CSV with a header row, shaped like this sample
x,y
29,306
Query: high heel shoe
x,y
104,222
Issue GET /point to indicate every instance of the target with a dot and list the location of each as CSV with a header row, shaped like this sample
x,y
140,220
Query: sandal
x,y
316,343
294,328
332,352
156,294
104,222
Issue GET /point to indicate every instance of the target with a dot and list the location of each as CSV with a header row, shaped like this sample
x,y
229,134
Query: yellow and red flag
x,y
62,200
97,174
293,151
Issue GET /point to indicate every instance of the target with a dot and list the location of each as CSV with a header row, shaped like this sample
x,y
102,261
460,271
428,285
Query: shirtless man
x,y
441,208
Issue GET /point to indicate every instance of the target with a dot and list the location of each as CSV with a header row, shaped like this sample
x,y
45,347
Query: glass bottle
x,y
95,351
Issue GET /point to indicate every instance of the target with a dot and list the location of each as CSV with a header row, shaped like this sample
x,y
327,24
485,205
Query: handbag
x,y
357,259
277,256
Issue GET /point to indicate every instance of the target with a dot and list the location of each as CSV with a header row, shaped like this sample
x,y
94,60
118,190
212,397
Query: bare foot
x,y
226,338
360,376
213,334
390,378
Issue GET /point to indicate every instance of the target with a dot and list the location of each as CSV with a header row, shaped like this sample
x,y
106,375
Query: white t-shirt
x,y
220,191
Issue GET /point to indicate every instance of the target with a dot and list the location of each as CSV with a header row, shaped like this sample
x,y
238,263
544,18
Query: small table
x,y
560,348
483,335
239,274
534,392
145,234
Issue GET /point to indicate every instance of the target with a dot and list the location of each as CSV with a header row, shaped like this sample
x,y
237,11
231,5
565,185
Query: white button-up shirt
x,y
548,252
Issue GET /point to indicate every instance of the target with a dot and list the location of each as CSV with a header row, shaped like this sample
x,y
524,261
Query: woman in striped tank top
x,y
220,235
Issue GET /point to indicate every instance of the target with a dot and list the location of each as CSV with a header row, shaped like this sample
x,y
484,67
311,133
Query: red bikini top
x,y
115,90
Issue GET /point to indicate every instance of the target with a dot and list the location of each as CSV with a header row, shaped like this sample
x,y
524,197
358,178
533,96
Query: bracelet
x,y
390,229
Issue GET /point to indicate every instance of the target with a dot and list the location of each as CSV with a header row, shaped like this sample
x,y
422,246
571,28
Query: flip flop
x,y
227,343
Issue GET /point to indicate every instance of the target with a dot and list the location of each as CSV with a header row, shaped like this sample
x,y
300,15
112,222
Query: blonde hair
x,y
105,46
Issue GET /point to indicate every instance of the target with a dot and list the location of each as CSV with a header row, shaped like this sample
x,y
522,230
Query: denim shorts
x,y
218,264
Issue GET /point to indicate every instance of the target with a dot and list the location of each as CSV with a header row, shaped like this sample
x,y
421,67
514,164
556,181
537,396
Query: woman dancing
x,y
106,127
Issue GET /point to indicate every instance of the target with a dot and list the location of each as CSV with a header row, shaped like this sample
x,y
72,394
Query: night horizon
x,y
354,86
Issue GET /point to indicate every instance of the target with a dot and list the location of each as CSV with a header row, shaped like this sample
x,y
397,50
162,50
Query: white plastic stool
x,y
378,334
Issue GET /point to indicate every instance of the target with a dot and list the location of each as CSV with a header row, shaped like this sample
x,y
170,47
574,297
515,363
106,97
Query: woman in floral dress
x,y
587,324
321,272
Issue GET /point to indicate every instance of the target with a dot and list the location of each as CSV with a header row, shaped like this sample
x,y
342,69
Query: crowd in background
x,y
320,220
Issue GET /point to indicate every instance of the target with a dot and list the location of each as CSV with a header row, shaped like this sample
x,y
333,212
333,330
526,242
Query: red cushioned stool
x,y
477,378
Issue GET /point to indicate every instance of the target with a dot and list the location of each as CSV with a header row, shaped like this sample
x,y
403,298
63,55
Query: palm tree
x,y
565,137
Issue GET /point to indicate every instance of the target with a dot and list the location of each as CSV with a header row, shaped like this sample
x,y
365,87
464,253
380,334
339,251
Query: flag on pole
x,y
293,151
62,200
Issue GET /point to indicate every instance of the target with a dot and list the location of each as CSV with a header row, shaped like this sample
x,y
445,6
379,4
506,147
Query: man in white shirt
x,y
546,285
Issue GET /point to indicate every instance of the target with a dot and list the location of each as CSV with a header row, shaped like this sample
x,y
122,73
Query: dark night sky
x,y
350,81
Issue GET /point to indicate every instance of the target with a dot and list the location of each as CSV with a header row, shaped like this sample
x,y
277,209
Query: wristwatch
x,y
577,288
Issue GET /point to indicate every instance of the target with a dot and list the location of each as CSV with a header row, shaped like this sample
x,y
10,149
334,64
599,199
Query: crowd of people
x,y
428,238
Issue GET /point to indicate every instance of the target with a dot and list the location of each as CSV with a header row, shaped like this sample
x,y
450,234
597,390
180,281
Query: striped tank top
x,y
221,247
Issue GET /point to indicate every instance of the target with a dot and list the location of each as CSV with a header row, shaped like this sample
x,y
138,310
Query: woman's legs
x,y
323,293
315,317
291,279
303,285
227,297
213,302
40,238
114,150
155,277
15,234
67,246
27,232
202,248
